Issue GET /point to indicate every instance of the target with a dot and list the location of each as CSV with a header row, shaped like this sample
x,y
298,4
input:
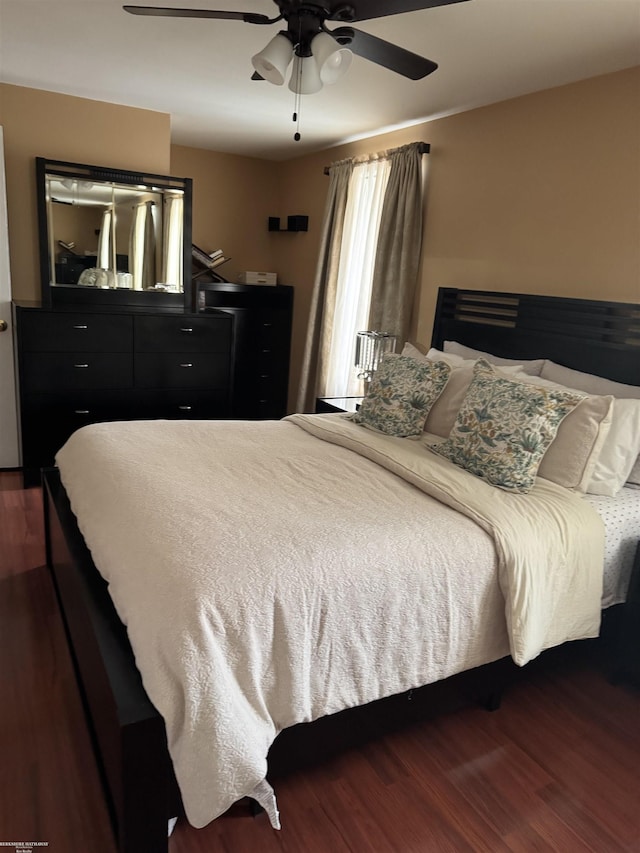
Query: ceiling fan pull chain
x,y
296,117
297,105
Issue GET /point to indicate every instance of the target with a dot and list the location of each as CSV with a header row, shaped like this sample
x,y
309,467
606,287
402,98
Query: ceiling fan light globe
x,y
332,58
273,60
336,66
305,76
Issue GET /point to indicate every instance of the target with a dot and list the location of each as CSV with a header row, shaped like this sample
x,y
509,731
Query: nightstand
x,y
627,646
337,404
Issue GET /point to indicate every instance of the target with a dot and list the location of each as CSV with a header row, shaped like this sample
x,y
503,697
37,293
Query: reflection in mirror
x,y
115,236
113,230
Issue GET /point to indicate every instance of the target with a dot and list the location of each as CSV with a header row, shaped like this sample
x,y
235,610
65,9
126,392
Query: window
x,y
367,187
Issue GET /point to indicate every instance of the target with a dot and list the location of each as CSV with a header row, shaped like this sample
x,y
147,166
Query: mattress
x,y
280,578
621,517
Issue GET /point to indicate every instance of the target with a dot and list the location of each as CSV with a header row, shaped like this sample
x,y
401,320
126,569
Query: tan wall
x,y
61,127
233,197
539,194
77,224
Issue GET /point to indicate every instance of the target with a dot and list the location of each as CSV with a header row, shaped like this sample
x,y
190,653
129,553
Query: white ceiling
x,y
199,71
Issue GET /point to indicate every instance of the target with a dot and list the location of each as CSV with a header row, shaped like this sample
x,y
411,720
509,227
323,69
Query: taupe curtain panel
x,y
323,299
396,265
399,245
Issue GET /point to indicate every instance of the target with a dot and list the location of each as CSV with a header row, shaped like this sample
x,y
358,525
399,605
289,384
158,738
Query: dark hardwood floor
x,y
557,768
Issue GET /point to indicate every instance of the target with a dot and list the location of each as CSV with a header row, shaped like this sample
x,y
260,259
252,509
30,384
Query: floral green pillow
x,y
400,395
504,427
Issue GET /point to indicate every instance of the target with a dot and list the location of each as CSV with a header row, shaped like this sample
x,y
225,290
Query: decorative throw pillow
x,y
443,414
580,441
504,427
400,395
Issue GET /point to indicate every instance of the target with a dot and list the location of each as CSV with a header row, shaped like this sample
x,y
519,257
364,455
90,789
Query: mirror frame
x,y
55,296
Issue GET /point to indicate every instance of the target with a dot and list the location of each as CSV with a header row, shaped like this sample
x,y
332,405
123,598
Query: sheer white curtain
x,y
105,258
142,247
172,241
355,274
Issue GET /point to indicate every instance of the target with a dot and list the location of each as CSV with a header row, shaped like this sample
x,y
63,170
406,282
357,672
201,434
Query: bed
x,y
317,461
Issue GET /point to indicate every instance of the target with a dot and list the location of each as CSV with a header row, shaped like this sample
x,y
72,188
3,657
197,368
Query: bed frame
x,y
128,734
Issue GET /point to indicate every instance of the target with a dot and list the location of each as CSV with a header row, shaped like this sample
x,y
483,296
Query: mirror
x,y
108,236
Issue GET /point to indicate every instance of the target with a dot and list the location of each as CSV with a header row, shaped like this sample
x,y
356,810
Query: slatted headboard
x,y
589,335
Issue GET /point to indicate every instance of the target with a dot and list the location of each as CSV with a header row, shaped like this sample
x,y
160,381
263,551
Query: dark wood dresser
x,y
263,317
78,367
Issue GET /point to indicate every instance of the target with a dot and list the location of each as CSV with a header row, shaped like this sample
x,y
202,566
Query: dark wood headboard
x,y
589,335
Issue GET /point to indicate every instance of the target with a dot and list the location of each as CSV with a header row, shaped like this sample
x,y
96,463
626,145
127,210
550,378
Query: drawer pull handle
x,y
264,376
81,365
81,326
186,329
81,411
186,364
185,408
266,350
264,401
267,325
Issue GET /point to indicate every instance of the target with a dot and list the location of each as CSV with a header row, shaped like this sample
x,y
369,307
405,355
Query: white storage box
x,y
250,277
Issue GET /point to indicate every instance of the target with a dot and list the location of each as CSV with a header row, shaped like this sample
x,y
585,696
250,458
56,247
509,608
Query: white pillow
x,y
450,358
572,456
620,460
438,355
634,476
532,367
412,351
454,360
588,382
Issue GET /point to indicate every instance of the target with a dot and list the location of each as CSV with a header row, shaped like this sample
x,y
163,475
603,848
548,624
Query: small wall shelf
x,y
294,223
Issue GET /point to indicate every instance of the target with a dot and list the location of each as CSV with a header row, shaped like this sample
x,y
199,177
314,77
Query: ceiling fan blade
x,y
384,53
367,9
163,12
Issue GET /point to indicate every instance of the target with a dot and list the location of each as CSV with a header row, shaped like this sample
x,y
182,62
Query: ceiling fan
x,y
320,55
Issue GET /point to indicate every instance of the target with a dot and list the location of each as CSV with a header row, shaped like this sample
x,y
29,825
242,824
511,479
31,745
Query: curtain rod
x,y
423,148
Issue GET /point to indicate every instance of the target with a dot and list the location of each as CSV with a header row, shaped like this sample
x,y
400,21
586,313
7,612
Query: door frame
x,y
9,433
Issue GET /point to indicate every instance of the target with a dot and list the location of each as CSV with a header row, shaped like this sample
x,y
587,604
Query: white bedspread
x,y
267,578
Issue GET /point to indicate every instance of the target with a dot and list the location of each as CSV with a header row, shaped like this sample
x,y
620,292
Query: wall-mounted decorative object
x,y
294,223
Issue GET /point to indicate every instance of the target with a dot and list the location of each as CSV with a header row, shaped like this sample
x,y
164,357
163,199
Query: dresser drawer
x,y
268,385
49,419
181,370
182,334
65,371
44,331
184,404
